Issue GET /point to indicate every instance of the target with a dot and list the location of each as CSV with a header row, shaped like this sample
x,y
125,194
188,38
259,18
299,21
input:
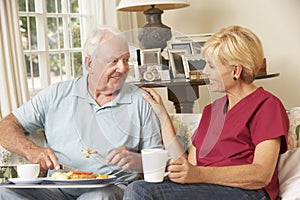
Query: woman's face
x,y
220,76
110,66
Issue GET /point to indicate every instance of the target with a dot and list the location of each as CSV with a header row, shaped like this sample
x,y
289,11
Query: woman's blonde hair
x,y
236,45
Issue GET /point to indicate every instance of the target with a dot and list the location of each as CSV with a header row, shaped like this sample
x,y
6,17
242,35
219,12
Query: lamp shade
x,y
142,5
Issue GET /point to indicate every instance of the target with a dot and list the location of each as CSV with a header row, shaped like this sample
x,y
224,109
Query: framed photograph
x,y
176,62
150,72
197,41
133,74
182,45
197,47
193,63
150,56
133,52
164,75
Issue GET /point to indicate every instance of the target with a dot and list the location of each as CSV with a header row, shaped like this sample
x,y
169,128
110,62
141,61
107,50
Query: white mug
x,y
28,171
154,164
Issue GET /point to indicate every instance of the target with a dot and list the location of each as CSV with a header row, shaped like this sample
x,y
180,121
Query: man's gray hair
x,y
94,40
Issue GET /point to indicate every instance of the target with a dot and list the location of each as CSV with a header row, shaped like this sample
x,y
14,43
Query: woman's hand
x,y
169,138
181,171
156,103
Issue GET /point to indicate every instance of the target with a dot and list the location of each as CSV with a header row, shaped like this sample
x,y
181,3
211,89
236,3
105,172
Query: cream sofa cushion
x,y
289,162
294,130
289,174
185,125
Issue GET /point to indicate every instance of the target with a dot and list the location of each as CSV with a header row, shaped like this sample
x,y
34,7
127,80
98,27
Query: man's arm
x,y
13,138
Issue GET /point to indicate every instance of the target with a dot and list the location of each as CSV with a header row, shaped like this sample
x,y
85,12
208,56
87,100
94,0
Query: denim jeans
x,y
171,191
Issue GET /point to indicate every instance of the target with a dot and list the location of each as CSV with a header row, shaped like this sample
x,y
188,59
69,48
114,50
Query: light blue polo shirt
x,y
74,122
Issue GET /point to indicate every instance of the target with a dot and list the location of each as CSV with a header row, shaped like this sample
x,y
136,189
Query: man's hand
x,y
43,156
13,139
125,159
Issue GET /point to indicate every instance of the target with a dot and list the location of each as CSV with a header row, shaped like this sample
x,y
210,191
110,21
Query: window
x,y
52,35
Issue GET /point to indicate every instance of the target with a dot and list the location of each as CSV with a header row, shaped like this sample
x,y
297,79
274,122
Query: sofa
x,y
289,162
185,125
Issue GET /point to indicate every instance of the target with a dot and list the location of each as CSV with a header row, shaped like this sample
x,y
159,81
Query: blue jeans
x,y
168,190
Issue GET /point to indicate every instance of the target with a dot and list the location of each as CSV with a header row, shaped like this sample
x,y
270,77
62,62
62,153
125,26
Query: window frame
x,y
43,51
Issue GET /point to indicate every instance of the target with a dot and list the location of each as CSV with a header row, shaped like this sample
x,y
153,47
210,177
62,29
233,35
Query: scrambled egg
x,y
76,175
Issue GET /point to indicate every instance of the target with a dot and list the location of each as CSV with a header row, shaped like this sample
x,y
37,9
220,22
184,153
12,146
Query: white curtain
x,y
13,82
128,23
104,12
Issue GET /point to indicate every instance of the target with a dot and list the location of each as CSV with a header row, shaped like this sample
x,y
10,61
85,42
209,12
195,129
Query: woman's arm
x,y
250,176
192,155
170,140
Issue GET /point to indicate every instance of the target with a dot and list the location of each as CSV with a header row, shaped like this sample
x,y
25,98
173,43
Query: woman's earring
x,y
234,78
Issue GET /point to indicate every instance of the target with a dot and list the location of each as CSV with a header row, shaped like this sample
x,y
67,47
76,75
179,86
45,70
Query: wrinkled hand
x,y
125,159
43,156
156,103
181,171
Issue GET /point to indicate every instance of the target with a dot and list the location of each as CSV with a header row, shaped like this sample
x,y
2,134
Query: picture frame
x,y
150,72
197,41
194,62
182,45
133,73
133,49
165,75
150,56
176,62
192,37
197,47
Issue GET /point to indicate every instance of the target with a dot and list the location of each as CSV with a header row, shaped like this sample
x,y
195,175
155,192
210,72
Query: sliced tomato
x,y
84,173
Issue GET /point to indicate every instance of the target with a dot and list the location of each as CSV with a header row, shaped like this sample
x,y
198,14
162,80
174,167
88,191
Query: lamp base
x,y
154,34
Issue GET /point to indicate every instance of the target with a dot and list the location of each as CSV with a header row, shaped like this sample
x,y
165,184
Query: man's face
x,y
109,67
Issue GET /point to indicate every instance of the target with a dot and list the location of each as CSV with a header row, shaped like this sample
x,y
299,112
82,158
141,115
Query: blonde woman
x,y
235,149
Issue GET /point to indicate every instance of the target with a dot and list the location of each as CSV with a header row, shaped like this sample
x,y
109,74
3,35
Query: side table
x,y
183,93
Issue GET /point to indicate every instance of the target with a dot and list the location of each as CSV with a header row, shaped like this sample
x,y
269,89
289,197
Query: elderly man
x,y
94,123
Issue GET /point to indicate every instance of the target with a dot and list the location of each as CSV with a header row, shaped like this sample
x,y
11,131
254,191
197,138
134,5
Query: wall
x,y
277,24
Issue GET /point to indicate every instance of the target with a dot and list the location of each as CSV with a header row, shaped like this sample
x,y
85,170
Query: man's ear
x,y
88,63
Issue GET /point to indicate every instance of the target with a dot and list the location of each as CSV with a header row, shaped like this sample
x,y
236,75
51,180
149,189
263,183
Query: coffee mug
x,y
154,164
28,171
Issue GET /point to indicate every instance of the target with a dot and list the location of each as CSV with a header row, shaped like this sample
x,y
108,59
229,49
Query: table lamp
x,y
154,34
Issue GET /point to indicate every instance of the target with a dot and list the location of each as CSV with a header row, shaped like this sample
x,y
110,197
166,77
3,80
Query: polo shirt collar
x,y
80,88
81,91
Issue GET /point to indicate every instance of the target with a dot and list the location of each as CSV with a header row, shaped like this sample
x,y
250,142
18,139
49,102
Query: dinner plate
x,y
26,181
111,179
